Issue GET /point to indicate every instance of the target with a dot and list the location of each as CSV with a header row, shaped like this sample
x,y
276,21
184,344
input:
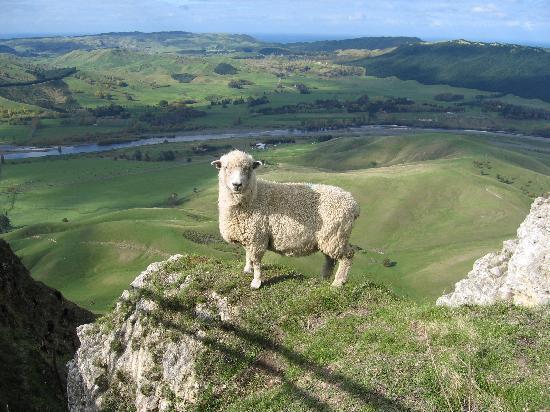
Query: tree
x,y
5,223
225,68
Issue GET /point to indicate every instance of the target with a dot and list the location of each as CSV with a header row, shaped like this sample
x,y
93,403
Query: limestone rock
x,y
139,355
519,273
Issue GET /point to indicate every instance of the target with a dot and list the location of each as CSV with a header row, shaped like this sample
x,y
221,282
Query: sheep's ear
x,y
217,164
256,164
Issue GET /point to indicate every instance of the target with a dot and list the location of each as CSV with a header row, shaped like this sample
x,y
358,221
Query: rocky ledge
x,y
519,273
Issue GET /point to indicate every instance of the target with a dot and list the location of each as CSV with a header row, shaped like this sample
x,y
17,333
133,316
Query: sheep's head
x,y
236,171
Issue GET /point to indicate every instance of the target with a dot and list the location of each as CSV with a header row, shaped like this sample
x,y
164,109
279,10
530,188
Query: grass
x,y
425,205
355,348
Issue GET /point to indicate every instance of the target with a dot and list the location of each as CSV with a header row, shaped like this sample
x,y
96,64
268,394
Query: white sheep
x,y
293,219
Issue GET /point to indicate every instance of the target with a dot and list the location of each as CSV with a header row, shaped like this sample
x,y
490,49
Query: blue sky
x,y
522,21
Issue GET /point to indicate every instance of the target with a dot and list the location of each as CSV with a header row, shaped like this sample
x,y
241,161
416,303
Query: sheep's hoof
x,y
337,283
247,270
256,283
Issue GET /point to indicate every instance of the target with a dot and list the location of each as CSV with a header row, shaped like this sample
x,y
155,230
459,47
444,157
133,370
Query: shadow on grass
x,y
282,278
360,392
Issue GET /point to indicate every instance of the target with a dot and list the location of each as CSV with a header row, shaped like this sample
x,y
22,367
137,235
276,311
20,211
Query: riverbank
x,y
14,152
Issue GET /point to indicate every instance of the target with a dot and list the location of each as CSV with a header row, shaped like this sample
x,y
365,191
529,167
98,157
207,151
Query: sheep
x,y
292,219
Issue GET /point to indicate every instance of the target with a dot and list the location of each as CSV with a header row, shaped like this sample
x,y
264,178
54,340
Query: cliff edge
x,y
190,334
37,337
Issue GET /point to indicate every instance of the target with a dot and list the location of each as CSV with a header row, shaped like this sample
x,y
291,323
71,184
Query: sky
x,y
518,21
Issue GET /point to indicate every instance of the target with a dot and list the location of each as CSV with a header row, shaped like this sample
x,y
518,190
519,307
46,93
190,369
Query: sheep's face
x,y
236,170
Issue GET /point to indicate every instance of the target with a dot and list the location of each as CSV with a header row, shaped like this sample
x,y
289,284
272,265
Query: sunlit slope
x,y
428,206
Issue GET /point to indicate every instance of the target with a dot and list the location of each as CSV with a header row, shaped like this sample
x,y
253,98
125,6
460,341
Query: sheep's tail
x,y
356,211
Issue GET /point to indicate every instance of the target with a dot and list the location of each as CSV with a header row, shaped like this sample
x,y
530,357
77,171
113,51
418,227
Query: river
x,y
24,152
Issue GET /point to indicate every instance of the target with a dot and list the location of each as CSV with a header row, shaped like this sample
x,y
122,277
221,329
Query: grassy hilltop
x,y
297,344
431,202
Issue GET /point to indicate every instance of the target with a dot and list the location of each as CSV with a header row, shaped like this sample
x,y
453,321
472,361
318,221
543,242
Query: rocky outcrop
x,y
519,273
143,354
37,337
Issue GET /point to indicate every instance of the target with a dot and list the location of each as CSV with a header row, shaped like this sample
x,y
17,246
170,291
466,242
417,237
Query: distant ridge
x,y
508,68
370,43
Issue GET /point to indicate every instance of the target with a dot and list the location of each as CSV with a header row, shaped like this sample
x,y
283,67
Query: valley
x,y
432,202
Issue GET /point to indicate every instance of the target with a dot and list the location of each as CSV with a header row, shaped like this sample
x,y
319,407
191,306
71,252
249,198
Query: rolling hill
x,y
520,70
432,202
168,41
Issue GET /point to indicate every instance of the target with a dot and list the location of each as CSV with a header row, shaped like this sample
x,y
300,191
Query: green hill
x,y
431,202
520,70
175,41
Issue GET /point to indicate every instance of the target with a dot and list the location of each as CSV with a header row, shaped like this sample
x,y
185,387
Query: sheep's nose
x,y
237,185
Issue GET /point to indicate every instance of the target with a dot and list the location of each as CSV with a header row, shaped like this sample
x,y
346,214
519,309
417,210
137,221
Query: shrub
x,y
239,83
225,68
5,223
302,88
183,77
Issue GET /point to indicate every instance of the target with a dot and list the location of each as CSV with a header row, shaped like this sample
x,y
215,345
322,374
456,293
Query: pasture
x,y
431,202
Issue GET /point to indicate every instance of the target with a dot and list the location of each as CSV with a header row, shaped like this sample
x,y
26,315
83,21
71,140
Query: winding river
x,y
24,152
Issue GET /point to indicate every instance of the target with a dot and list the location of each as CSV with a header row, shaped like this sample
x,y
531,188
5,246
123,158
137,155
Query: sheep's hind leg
x,y
328,267
248,265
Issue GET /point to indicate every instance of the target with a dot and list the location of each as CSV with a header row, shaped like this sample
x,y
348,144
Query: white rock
x,y
159,361
520,273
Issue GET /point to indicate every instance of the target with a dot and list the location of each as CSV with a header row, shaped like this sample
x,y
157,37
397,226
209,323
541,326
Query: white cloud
x,y
488,9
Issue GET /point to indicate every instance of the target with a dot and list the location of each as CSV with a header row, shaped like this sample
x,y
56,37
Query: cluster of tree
x,y
302,88
543,131
112,110
138,155
279,140
361,105
505,179
169,116
239,83
322,124
5,223
324,138
216,101
225,68
183,77
513,111
251,101
448,97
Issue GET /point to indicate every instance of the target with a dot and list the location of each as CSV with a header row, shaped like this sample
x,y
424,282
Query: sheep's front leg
x,y
344,265
341,276
256,259
248,264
